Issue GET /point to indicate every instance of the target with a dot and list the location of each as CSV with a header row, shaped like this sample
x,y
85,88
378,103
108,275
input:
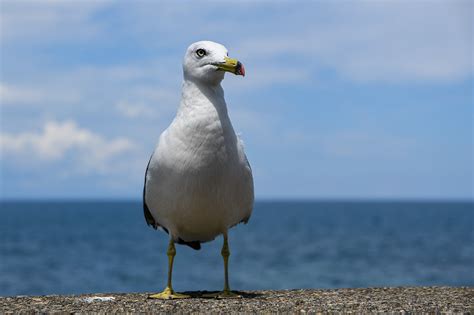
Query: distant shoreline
x,y
457,300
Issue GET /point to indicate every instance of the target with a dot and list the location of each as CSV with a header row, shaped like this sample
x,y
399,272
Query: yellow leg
x,y
168,293
226,293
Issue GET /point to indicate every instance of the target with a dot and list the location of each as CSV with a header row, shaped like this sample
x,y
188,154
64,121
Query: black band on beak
x,y
239,69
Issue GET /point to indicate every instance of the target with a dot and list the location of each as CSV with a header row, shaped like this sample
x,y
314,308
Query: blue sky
x,y
346,99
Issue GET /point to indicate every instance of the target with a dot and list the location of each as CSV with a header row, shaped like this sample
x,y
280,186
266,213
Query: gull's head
x,y
207,61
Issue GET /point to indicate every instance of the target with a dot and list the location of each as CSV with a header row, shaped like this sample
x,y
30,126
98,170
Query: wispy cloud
x,y
352,144
135,110
363,41
360,145
60,140
59,20
15,95
369,41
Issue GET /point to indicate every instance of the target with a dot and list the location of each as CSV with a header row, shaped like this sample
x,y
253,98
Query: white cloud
x,y
61,140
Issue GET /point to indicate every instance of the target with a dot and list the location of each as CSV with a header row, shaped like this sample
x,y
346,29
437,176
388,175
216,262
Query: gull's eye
x,y
200,53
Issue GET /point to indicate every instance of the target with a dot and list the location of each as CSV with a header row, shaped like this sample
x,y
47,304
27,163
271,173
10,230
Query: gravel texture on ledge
x,y
433,300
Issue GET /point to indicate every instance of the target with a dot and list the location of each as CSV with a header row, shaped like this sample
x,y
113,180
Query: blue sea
x,y
86,247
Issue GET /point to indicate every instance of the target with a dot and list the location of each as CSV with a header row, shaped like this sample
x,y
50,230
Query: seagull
x,y
198,182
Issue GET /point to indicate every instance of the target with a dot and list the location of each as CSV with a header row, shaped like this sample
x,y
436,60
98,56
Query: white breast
x,y
199,182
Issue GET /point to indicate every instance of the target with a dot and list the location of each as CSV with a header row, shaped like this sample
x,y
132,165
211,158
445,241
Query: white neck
x,y
195,95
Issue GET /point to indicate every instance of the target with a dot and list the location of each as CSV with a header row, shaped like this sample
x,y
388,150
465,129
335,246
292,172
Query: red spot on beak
x,y
240,70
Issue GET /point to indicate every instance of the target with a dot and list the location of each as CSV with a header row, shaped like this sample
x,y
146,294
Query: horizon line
x,y
265,199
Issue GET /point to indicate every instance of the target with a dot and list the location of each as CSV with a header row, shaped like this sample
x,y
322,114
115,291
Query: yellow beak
x,y
232,65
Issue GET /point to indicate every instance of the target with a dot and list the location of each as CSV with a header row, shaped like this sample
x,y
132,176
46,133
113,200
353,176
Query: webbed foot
x,y
168,294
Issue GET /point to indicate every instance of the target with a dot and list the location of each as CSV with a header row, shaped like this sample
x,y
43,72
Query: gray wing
x,y
146,212
246,219
150,220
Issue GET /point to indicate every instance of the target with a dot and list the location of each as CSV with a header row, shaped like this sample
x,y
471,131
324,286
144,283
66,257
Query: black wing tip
x,y
148,217
244,221
196,245
152,225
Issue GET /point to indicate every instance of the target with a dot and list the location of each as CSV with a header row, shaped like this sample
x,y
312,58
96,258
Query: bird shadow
x,y
241,295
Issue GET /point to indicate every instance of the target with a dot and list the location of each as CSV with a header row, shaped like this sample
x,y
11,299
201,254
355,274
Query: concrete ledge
x,y
371,300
